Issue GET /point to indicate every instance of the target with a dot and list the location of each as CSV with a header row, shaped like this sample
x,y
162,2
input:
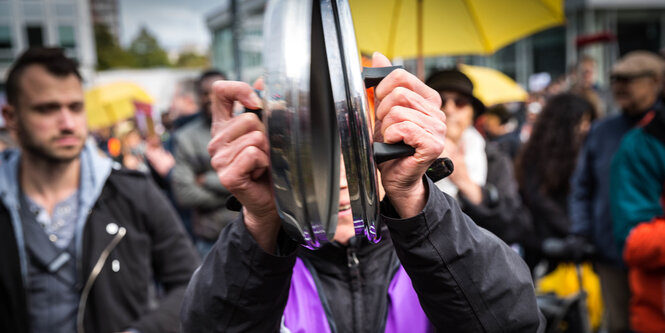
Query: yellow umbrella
x,y
493,87
417,28
110,103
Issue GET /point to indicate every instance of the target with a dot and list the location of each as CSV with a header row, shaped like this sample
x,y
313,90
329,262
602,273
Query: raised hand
x,y
409,111
239,152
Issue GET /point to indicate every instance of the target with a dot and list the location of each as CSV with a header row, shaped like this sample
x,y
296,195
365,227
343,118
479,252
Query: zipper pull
x,y
352,259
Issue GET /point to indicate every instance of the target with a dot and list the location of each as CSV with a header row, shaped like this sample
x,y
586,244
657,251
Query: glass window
x,y
639,35
5,44
505,60
223,50
35,35
549,51
66,36
32,10
65,10
5,37
5,9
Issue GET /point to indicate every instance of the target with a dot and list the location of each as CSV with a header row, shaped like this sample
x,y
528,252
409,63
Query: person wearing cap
x,y
483,180
636,191
434,269
636,84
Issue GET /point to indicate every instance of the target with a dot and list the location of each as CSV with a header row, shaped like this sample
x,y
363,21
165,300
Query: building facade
x,y
63,23
107,12
602,29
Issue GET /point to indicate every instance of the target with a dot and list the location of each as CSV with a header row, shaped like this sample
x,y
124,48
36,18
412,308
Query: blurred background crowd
x,y
553,93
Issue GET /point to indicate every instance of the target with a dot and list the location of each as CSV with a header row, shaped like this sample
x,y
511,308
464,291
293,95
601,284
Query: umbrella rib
x,y
476,20
555,13
393,28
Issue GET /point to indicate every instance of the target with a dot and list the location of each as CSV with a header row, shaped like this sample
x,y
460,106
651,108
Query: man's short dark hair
x,y
207,74
52,59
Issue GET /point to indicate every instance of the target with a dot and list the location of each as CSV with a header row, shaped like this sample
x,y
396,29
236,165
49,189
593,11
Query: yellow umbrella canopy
x,y
493,87
448,27
111,103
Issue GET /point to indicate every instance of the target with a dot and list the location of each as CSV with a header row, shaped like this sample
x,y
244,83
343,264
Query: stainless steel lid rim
x,y
359,151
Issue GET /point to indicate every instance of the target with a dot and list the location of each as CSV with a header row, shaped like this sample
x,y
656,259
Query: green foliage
x,y
191,59
143,52
109,52
146,50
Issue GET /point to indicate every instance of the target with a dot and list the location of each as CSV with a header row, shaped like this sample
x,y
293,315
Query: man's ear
x,y
9,113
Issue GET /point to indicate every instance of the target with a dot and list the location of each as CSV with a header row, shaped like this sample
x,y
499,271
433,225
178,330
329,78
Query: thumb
x,y
379,60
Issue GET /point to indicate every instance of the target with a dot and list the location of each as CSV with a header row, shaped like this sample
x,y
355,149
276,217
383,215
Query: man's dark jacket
x,y
153,248
467,280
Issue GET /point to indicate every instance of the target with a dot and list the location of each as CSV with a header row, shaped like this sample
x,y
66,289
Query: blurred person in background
x,y
500,127
636,85
637,197
545,164
534,104
133,147
638,177
483,181
585,84
83,242
194,182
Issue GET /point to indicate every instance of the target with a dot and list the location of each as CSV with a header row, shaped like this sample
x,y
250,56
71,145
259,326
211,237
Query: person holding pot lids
x,y
434,268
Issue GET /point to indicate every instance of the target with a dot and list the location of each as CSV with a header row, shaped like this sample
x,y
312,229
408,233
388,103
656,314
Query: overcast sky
x,y
175,22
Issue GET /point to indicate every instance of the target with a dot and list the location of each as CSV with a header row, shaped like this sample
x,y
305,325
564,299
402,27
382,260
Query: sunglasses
x,y
460,101
628,78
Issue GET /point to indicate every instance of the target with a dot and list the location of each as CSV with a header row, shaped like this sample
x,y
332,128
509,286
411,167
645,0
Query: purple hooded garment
x,y
304,311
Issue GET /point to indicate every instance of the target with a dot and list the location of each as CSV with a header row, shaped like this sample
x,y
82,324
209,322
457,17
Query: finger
x,y
428,145
400,114
407,98
259,84
233,129
402,78
379,60
237,176
224,93
225,156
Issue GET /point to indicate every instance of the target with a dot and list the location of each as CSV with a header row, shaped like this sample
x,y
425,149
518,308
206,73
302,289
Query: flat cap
x,y
639,63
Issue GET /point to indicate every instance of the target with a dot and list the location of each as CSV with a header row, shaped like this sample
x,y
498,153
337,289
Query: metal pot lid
x,y
316,109
304,141
353,121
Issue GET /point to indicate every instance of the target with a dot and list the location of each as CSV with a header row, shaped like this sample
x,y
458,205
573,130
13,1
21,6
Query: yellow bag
x,y
563,282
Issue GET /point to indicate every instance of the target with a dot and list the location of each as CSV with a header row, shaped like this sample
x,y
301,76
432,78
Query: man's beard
x,y
44,152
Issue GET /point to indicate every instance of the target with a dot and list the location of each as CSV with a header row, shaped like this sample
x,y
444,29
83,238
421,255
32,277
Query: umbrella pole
x,y
420,66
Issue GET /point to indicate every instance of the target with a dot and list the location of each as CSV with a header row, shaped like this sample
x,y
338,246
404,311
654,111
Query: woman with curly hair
x,y
545,164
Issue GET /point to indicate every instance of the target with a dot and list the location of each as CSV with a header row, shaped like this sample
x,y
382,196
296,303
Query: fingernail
x,y
257,101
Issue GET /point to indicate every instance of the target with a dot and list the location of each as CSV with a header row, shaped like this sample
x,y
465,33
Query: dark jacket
x,y
501,211
467,280
206,200
549,213
148,245
589,199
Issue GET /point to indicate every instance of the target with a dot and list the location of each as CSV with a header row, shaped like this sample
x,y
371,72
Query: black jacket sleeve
x,y
467,279
239,287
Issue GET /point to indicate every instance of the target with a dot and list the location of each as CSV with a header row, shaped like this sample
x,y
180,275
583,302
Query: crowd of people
x,y
128,230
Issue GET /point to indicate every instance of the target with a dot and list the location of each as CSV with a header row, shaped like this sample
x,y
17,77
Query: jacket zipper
x,y
356,291
93,276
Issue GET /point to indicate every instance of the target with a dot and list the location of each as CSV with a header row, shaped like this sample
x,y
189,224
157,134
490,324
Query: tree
x,y
190,59
109,53
146,50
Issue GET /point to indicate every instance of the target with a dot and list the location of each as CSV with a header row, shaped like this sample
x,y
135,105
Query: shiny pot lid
x,y
316,110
